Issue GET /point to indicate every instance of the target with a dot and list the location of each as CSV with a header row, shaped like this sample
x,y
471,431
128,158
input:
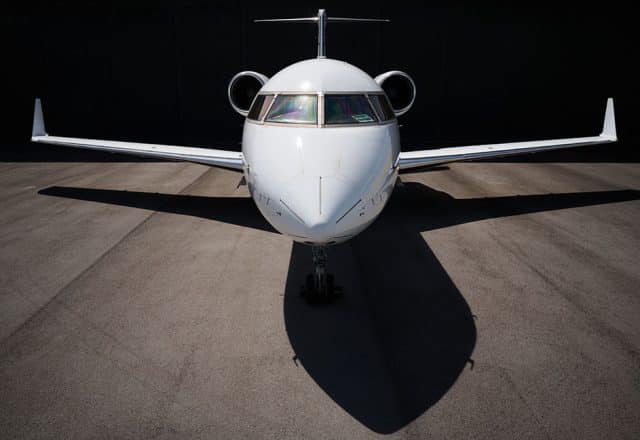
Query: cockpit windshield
x,y
330,109
348,109
294,109
382,106
259,107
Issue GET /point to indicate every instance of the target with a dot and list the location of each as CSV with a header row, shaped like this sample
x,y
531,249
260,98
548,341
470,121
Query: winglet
x,y
38,121
609,127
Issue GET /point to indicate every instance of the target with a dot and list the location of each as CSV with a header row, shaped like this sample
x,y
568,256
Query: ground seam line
x,y
92,265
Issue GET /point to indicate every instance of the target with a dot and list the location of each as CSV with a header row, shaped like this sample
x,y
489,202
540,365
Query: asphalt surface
x,y
151,300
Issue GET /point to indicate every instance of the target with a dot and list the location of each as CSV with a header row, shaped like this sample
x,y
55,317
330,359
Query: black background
x,y
157,71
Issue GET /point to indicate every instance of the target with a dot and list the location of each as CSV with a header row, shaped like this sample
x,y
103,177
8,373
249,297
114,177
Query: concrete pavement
x,y
151,300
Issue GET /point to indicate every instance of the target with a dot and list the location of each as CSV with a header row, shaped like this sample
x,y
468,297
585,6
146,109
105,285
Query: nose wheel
x,y
319,287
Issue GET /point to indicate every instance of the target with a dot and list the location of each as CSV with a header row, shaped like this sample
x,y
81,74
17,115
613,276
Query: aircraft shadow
x,y
402,334
400,337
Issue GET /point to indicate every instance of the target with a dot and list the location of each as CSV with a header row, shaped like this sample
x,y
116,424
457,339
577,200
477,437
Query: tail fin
x,y
609,126
38,121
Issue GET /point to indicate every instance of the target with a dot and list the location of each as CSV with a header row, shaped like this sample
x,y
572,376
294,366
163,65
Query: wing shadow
x,y
430,209
426,207
239,211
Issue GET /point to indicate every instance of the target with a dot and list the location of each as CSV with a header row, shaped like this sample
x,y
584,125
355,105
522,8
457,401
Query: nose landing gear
x,y
319,287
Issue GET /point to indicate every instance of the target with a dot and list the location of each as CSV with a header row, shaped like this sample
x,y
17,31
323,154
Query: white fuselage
x,y
320,185
319,171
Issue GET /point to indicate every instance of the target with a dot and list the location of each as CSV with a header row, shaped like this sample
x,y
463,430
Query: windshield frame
x,y
320,110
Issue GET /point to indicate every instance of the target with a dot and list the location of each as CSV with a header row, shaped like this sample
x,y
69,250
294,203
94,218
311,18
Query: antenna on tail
x,y
322,21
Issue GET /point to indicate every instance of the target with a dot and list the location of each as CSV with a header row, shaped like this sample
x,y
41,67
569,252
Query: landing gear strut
x,y
319,286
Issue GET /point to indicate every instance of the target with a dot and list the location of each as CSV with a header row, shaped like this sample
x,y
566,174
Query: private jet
x,y
320,147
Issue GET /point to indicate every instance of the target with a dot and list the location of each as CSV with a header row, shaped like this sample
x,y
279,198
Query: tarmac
x,y
490,300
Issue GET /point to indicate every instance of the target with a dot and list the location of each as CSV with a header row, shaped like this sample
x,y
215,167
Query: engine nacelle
x,y
243,87
400,90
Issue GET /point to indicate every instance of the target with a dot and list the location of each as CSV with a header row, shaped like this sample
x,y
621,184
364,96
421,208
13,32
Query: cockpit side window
x,y
294,109
347,109
382,106
259,107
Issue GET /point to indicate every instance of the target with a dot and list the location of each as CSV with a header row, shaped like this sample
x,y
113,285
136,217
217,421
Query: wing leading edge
x,y
413,159
206,156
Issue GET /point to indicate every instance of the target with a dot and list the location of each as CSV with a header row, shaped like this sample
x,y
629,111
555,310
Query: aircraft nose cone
x,y
318,202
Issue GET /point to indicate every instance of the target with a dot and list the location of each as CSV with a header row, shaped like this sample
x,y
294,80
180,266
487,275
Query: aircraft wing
x,y
413,159
206,156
